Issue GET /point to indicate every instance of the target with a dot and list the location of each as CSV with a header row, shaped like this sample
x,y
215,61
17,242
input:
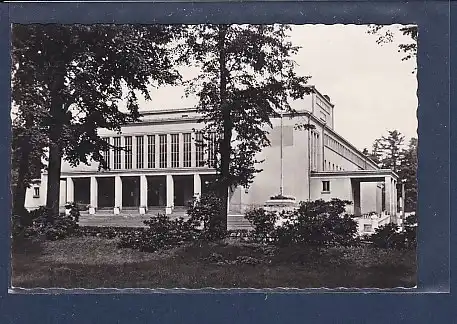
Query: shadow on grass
x,y
97,263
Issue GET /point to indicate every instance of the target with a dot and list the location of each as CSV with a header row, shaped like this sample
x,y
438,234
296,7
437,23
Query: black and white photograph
x,y
214,156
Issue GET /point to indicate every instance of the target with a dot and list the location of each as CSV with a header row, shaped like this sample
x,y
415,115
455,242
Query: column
x,y
143,194
394,199
388,195
197,185
170,195
356,197
70,190
117,194
93,195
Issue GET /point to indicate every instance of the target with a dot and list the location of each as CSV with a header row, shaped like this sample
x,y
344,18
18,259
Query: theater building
x,y
157,165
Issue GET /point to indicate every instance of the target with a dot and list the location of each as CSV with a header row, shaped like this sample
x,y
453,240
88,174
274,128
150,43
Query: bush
x,y
162,232
40,222
389,237
318,223
263,222
205,213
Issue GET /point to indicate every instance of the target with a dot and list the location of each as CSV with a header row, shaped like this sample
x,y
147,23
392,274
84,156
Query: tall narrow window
x,y
175,150
128,152
162,151
187,150
117,152
151,151
199,153
326,186
106,154
139,152
211,150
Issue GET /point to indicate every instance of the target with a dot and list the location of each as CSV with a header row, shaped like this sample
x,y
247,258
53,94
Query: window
x,y
199,153
162,151
117,152
326,186
367,227
212,150
151,151
139,152
187,150
36,192
174,150
106,154
128,152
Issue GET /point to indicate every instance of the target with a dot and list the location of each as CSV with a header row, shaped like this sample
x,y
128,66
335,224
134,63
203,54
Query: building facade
x,y
158,164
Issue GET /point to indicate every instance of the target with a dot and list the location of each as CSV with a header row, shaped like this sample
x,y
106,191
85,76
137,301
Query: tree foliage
x,y
247,75
386,34
408,172
390,149
391,152
78,75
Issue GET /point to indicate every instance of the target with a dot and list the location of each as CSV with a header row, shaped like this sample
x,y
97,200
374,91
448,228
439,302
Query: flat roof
x,y
355,174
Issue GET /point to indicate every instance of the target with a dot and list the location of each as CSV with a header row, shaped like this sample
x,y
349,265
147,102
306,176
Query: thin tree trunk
x,y
225,149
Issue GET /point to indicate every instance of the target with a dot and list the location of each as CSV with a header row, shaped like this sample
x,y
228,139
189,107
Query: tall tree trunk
x,y
21,186
23,169
55,149
225,149
54,168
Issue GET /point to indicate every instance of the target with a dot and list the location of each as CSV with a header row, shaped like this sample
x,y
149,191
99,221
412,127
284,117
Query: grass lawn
x,y
92,262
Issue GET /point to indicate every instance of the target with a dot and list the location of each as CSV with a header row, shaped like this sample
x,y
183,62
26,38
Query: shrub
x,y
263,222
319,223
162,232
40,222
205,212
410,232
386,237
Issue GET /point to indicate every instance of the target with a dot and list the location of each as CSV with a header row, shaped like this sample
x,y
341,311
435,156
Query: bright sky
x,y
372,89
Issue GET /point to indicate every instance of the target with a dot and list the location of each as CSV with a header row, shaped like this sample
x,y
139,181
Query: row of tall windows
x,y
152,151
314,151
347,153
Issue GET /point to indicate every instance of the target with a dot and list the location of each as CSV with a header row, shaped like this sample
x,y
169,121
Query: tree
x,y
247,75
77,75
408,172
387,34
390,148
375,154
28,145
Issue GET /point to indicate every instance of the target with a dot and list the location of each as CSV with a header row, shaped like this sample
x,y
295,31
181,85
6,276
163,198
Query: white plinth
x,y
117,211
91,211
142,210
279,205
168,210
